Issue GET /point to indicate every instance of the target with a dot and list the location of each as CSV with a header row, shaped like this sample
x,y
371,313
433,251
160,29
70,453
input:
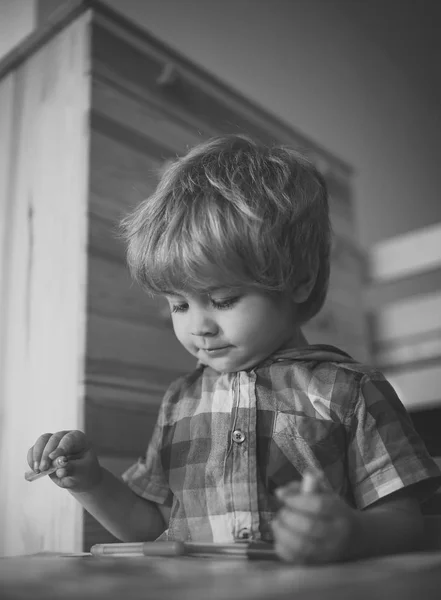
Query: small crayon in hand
x,y
33,476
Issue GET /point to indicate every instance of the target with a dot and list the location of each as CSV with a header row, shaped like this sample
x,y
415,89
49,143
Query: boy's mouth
x,y
216,350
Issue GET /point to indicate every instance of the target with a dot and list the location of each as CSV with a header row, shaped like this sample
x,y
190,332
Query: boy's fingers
x,y
307,504
72,442
51,444
308,496
30,457
303,524
311,483
34,453
291,488
59,462
62,472
290,523
288,545
59,451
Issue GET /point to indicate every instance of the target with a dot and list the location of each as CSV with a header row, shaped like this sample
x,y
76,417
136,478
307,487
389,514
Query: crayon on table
x,y
251,550
138,549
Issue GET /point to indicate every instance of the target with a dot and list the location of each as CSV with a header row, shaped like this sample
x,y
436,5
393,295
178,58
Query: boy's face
x,y
233,329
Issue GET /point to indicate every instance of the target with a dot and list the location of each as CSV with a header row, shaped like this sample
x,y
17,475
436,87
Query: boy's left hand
x,y
314,527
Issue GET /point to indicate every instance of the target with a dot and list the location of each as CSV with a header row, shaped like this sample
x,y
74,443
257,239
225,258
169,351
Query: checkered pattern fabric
x,y
224,441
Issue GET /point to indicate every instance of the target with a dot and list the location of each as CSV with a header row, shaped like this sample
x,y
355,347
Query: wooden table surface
x,y
55,577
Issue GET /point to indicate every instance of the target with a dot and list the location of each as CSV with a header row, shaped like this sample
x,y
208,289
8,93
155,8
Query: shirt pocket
x,y
309,443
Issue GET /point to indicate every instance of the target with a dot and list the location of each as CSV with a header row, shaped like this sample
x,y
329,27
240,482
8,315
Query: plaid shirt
x,y
224,441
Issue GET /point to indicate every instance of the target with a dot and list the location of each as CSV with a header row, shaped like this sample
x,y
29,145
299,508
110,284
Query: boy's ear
x,y
304,287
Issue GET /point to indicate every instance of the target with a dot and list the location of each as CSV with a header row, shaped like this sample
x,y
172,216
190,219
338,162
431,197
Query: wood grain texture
x,y
8,127
120,341
121,175
138,63
407,577
44,309
112,293
139,112
121,429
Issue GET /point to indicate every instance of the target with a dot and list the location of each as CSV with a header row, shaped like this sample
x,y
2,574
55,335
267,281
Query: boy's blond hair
x,y
233,211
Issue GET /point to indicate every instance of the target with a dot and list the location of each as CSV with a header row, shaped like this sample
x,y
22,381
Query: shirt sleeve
x,y
147,477
385,453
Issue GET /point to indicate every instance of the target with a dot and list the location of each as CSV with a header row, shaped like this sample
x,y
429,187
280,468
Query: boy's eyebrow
x,y
227,288
167,293
208,290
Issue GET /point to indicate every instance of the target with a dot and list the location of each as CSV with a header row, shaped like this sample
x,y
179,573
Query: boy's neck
x,y
297,340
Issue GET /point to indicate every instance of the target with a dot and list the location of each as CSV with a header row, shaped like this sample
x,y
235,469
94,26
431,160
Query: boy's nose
x,y
203,325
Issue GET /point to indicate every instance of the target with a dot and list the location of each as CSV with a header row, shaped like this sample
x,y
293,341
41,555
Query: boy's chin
x,y
226,365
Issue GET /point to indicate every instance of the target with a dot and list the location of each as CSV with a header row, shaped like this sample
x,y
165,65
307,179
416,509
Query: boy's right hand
x,y
78,467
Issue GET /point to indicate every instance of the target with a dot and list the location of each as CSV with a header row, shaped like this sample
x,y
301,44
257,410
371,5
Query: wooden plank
x,y
134,110
119,428
126,53
45,311
131,137
8,136
123,381
120,176
113,294
127,62
42,36
110,339
104,244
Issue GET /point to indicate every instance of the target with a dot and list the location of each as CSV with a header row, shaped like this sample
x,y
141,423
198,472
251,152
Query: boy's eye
x,y
178,308
225,304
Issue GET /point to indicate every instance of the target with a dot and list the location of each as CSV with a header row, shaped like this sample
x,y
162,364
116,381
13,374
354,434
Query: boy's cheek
x,y
179,333
187,343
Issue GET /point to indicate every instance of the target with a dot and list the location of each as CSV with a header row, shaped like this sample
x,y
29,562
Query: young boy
x,y
237,239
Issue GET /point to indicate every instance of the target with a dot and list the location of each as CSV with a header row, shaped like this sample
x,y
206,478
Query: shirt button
x,y
238,436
